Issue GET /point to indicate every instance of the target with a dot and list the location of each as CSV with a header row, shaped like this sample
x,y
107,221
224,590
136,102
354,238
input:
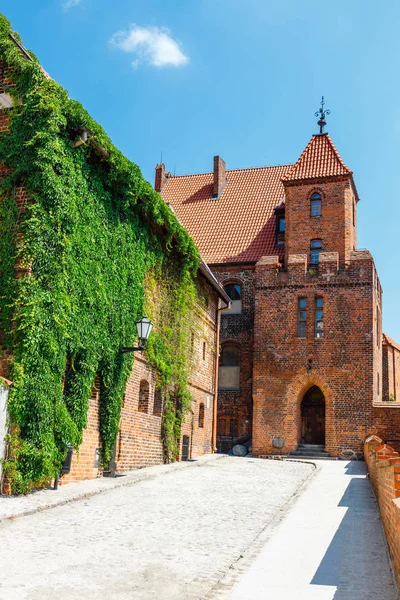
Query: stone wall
x,y
383,464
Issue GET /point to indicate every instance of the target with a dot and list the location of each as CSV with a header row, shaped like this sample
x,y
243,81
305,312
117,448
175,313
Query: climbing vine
x,y
95,247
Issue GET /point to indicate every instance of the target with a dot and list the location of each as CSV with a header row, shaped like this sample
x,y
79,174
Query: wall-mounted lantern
x,y
144,327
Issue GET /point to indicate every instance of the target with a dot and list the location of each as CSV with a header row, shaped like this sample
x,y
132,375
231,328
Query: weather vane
x,y
321,114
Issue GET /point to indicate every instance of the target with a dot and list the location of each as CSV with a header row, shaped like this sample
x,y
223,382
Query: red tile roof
x,y
239,226
319,159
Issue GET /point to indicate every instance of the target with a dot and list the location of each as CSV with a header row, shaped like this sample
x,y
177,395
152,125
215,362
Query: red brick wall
x,y
83,461
384,470
344,362
235,406
391,373
387,422
335,225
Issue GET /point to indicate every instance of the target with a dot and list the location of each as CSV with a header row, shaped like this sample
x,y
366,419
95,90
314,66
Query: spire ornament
x,y
321,114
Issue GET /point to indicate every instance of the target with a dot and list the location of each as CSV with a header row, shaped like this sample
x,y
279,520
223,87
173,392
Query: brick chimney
x,y
219,176
161,178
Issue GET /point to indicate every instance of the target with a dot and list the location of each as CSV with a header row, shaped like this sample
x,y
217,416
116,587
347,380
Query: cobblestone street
x,y
171,537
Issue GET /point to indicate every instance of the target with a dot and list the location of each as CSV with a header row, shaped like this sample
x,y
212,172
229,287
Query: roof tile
x,y
319,159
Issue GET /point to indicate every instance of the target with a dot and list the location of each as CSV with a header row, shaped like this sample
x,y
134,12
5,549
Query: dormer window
x,y
280,227
316,247
315,209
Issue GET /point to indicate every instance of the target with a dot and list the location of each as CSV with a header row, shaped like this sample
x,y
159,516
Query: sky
x,y
183,80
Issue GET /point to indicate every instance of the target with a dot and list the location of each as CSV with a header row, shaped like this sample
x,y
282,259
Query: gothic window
x,y
234,292
315,208
201,415
301,317
316,247
144,390
319,317
229,356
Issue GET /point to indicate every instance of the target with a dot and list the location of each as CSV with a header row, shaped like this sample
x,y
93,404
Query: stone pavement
x,y
331,546
172,535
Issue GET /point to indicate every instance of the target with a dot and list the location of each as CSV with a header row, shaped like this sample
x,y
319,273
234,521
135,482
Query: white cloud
x,y
70,3
151,45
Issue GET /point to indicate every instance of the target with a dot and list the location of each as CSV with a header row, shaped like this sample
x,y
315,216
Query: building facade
x,y
301,347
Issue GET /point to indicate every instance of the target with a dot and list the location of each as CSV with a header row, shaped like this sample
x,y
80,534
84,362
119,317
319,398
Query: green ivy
x,y
99,247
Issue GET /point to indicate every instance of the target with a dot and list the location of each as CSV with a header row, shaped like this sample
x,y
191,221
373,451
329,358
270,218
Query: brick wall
x,y
235,406
391,372
335,227
383,464
343,363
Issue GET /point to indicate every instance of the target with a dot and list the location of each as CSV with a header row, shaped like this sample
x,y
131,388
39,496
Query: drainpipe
x,y
214,424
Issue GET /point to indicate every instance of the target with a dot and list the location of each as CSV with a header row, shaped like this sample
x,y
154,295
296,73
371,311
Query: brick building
x,y
301,346
139,441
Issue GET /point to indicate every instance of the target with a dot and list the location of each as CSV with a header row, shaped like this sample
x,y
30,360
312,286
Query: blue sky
x,y
239,78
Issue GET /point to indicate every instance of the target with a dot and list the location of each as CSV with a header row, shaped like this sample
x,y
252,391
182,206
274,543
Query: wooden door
x,y
313,423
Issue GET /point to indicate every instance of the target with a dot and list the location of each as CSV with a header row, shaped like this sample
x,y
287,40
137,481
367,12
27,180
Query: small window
x,y
316,247
204,351
280,231
301,317
234,292
229,356
201,415
315,205
144,390
319,317
158,402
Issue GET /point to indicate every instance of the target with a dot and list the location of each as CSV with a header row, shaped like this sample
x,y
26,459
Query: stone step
x,y
308,457
312,446
309,451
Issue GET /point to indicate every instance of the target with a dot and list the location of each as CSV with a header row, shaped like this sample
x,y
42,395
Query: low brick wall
x,y
383,464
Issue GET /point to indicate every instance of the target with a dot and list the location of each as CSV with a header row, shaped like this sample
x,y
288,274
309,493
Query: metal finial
x,y
321,114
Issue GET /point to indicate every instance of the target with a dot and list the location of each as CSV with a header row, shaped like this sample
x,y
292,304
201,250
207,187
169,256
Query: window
x,y
316,247
301,317
319,317
204,351
315,208
229,370
201,415
280,231
234,292
144,390
158,402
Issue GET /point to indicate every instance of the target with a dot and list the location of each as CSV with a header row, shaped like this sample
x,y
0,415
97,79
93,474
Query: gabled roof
x,y
240,225
319,159
389,342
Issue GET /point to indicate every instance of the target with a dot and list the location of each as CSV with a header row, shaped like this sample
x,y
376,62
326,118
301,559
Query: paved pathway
x,y
172,536
330,547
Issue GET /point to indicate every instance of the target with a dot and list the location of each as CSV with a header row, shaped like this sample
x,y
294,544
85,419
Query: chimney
x,y
219,177
161,178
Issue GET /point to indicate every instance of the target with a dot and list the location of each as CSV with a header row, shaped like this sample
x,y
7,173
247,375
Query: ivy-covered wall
x,y
93,237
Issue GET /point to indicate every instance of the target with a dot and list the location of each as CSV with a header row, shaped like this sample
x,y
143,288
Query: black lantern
x,y
144,327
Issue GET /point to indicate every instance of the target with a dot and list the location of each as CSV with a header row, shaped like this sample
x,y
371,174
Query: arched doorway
x,y
313,417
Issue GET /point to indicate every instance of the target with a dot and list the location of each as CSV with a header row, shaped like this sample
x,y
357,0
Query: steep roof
x,y
319,159
388,341
240,225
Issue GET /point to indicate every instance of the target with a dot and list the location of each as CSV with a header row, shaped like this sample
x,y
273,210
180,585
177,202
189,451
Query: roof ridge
x,y
232,170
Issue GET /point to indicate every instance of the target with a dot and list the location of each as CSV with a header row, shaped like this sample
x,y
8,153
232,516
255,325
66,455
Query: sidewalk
x,y
330,547
12,507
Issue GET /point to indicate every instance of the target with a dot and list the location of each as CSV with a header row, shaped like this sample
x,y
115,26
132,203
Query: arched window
x,y
315,208
234,292
144,390
201,415
229,370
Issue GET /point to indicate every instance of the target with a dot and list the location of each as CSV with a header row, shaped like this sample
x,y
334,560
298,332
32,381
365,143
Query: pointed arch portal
x,y
313,416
